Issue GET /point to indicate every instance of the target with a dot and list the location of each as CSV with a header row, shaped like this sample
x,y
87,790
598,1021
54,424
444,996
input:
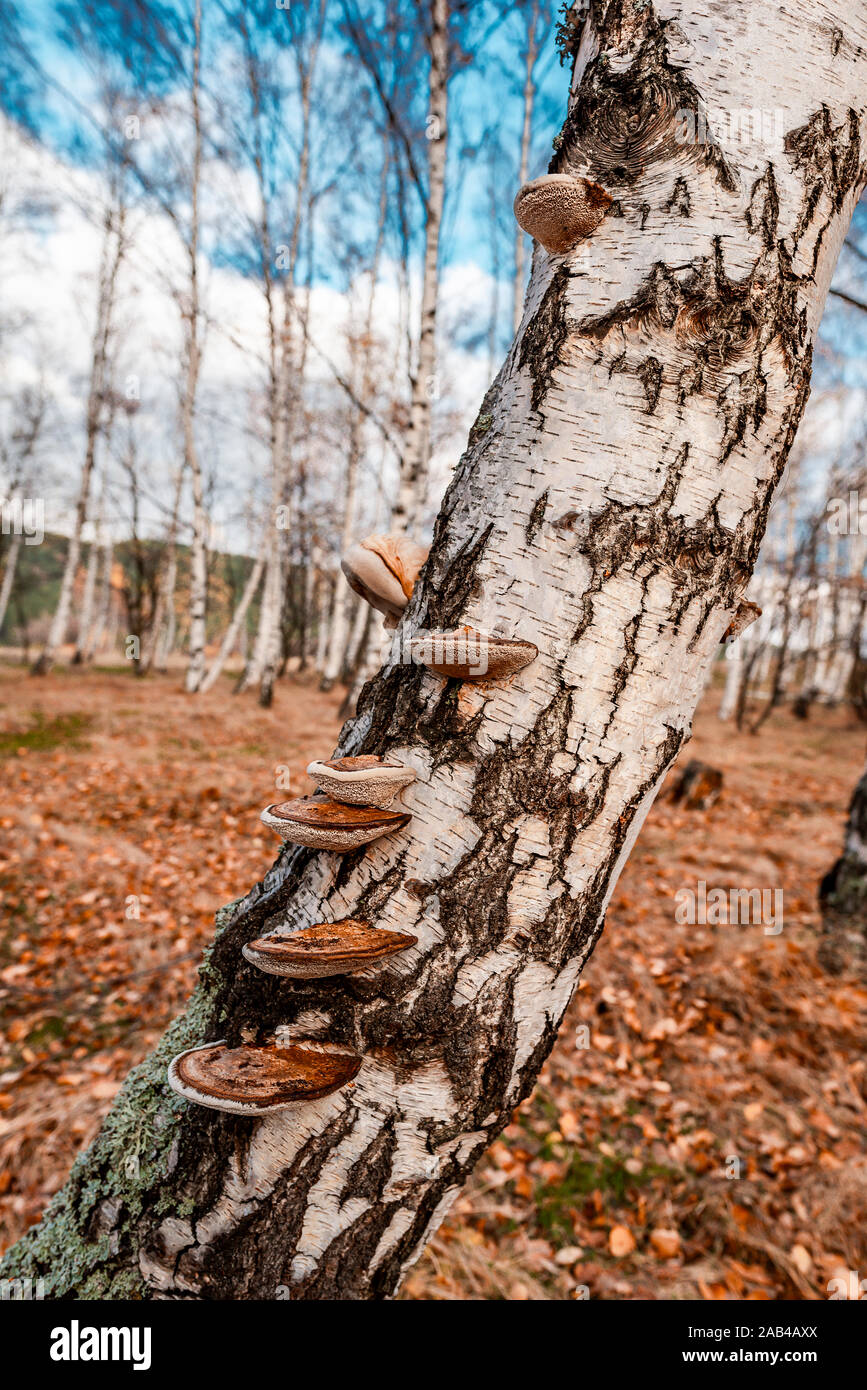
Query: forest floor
x,y
698,1131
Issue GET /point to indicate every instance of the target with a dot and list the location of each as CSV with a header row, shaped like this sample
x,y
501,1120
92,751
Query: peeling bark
x,y
610,507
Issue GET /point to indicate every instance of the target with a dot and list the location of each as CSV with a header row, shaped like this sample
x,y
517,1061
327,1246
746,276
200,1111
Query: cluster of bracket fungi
x,y
353,805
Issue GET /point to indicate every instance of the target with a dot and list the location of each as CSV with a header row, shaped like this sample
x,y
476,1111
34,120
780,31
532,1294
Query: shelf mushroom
x,y
383,570
365,780
319,823
465,654
327,948
256,1079
559,210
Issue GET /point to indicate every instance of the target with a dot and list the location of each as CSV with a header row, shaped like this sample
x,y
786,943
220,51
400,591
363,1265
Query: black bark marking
x,y
650,376
536,517
544,337
679,200
624,123
763,211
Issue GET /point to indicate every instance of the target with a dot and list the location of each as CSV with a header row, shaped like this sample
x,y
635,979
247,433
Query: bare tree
x,y
99,401
191,309
529,93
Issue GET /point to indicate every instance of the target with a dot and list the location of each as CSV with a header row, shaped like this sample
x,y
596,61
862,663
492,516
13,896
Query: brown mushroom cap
x,y
327,948
254,1080
465,654
321,823
559,210
383,570
365,780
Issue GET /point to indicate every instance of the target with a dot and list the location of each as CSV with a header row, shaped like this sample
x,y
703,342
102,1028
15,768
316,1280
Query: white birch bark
x,y
9,569
734,670
88,604
198,549
524,161
610,508
415,460
160,636
338,635
99,628
111,257
238,617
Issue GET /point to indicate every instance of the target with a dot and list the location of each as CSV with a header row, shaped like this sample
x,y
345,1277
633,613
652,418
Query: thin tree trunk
x,y
113,250
88,601
154,647
100,625
9,570
414,464
198,550
734,670
227,646
338,635
614,518
325,603
524,163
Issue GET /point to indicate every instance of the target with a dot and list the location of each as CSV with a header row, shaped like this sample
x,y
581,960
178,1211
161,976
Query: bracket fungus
x,y
468,655
383,570
745,615
366,780
559,210
253,1079
319,823
327,948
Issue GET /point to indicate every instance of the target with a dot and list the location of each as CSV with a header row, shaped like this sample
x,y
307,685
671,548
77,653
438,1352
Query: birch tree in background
x,y
99,404
531,53
610,507
88,601
430,185
415,460
304,39
191,311
16,461
159,639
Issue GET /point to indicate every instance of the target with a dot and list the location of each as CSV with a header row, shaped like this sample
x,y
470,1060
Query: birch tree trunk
x,y
88,603
227,645
198,549
524,160
161,631
111,256
101,622
414,464
610,507
9,570
338,635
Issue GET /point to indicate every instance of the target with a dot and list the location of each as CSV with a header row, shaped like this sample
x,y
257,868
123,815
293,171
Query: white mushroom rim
x,y
321,823
363,780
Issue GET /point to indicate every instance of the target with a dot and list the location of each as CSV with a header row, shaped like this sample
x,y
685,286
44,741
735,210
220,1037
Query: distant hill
x,y
135,569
